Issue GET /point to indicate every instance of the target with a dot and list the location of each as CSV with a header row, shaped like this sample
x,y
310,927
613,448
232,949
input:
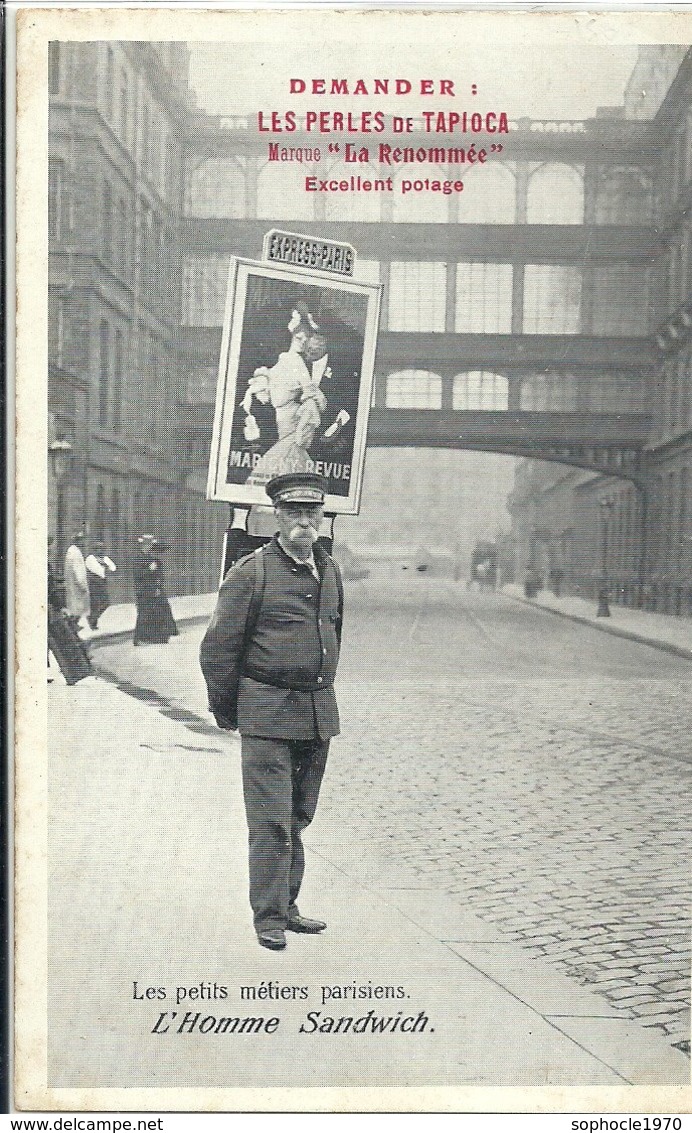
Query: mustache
x,y
297,531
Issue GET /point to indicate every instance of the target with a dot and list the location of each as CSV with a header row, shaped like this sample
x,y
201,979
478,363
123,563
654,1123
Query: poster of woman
x,y
295,382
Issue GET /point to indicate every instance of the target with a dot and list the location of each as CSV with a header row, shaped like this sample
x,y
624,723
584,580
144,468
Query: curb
x,y
110,637
615,631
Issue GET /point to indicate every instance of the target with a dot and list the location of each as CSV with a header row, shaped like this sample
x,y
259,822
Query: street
x,y
535,770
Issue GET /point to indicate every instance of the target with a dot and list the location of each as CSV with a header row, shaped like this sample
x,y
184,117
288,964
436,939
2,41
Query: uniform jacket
x,y
280,683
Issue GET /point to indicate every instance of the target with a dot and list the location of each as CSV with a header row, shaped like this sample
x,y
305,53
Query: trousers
x,y
281,786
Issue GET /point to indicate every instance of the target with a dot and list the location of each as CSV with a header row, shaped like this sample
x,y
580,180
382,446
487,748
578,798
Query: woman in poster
x,y
294,392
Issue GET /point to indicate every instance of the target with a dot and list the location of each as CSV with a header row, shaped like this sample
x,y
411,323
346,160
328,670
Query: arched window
x,y
488,196
483,299
358,206
417,296
216,188
478,389
281,192
555,195
414,389
424,207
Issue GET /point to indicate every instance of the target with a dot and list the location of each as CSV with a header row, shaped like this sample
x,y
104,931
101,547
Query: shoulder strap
x,y
339,581
256,596
339,585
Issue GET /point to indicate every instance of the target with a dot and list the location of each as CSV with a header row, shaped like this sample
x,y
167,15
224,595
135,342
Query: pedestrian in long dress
x,y
155,622
98,566
77,600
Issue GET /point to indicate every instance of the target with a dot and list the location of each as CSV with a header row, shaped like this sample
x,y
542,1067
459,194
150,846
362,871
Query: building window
x,y
107,224
216,188
684,536
414,389
100,514
478,389
417,296
281,193
204,291
685,377
688,147
361,207
552,299
625,196
366,271
489,196
146,131
548,393
56,182
122,235
483,299
55,67
124,107
114,525
60,321
420,208
109,101
104,373
555,195
619,300
117,379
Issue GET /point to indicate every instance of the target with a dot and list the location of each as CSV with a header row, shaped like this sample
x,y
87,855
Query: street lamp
x,y
606,507
60,457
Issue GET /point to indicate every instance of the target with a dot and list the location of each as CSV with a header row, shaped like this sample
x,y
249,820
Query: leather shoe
x,y
297,923
272,938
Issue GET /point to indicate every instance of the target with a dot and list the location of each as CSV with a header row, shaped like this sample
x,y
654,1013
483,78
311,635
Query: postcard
x,y
398,820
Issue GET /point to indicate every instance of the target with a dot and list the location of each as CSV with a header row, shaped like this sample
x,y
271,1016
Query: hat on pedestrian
x,y
297,488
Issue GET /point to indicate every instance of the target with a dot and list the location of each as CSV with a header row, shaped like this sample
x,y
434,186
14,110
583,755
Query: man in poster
x,y
269,658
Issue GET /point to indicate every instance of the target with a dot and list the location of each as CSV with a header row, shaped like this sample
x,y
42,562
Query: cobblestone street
x,y
535,770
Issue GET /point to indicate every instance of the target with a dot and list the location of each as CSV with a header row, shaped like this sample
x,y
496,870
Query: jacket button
x,y
319,680
325,652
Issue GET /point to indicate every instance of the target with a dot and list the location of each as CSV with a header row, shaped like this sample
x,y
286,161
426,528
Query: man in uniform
x,y
269,658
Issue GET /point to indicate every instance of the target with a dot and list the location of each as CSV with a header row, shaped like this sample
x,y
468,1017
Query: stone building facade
x,y
635,537
117,128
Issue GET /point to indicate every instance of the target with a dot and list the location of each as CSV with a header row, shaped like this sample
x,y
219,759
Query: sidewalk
x,y
673,635
120,618
149,887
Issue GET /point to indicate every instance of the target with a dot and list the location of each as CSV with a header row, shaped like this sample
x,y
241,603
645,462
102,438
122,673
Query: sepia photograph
x,y
354,561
